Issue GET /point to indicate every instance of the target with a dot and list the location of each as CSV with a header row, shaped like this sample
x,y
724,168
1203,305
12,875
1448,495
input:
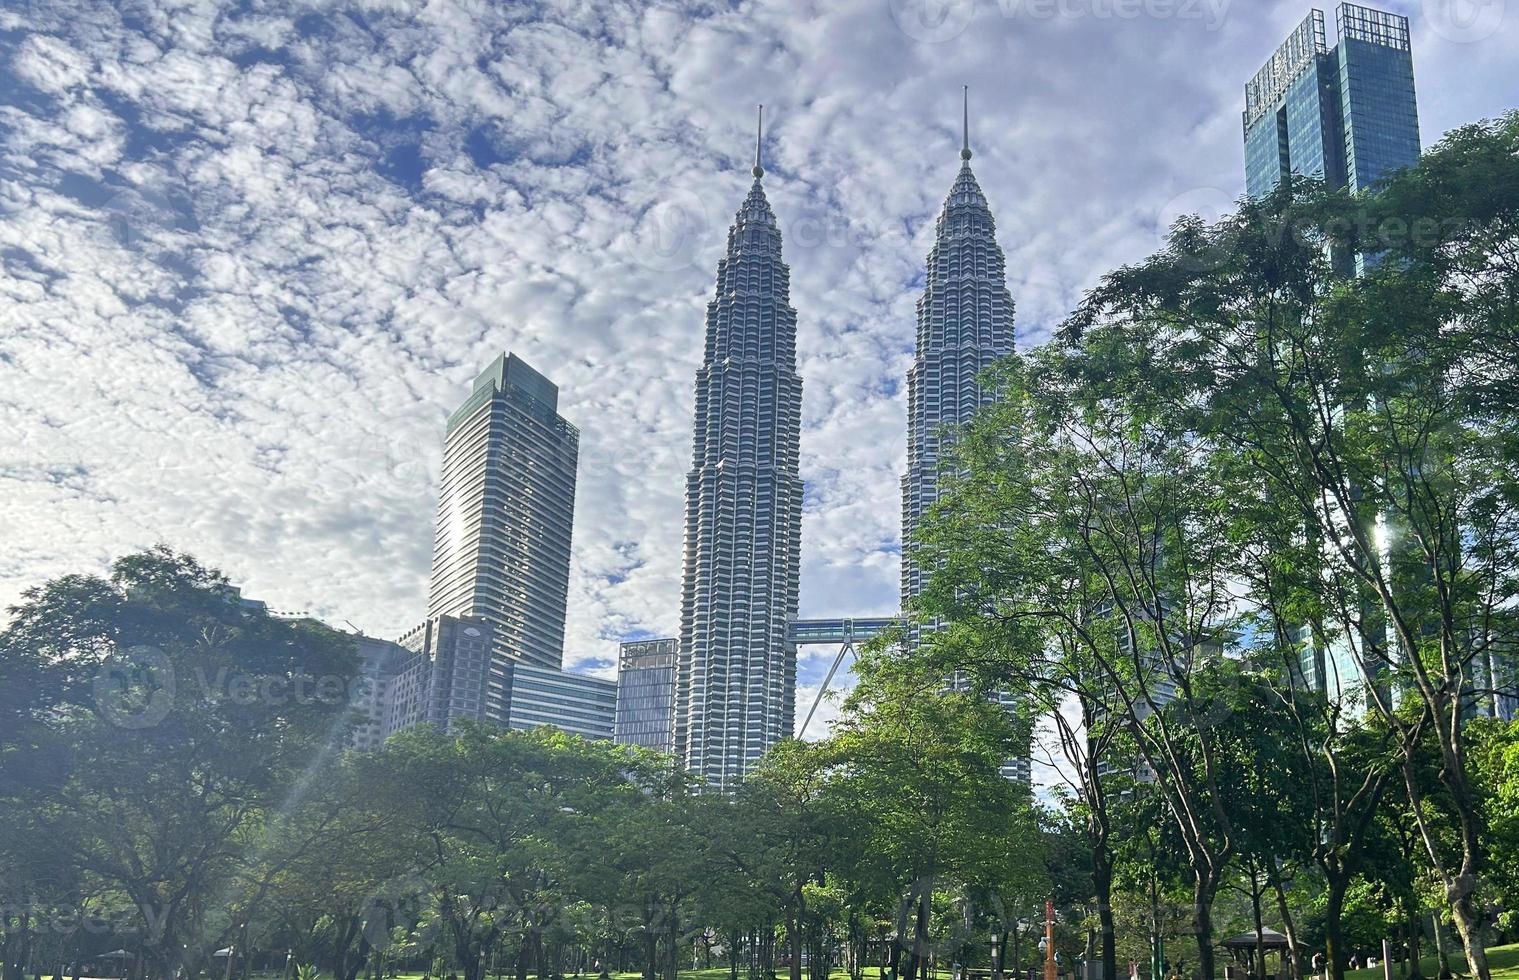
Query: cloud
x,y
254,255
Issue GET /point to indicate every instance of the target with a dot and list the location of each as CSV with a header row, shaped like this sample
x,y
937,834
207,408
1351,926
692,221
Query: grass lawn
x,y
1504,961
716,973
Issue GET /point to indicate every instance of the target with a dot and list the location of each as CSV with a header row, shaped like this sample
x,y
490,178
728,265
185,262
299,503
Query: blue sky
x,y
254,254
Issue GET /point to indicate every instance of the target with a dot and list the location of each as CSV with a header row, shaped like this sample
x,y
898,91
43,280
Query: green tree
x,y
1495,770
182,720
502,816
1375,416
1088,537
786,816
648,858
922,766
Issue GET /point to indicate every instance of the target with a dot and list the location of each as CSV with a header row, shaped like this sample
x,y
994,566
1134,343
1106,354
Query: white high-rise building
x,y
736,676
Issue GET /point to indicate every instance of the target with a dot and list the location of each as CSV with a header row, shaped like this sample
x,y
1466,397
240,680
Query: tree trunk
x,y
1411,923
466,953
917,965
674,939
1289,926
1202,922
1440,949
1102,881
1334,936
1260,925
793,943
650,952
1464,910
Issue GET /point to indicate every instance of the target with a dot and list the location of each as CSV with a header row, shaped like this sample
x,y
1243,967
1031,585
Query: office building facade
x,y
445,671
1346,115
646,694
379,663
505,511
736,678
446,677
575,703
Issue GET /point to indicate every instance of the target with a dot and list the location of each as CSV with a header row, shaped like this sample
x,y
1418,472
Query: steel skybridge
x,y
842,633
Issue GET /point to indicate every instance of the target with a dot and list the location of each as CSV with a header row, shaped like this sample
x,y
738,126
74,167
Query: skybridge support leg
x,y
848,647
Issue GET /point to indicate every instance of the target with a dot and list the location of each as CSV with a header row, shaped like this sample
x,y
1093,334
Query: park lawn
x,y
1504,961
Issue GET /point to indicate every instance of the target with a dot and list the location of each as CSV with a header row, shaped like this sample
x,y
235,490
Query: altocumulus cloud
x,y
253,254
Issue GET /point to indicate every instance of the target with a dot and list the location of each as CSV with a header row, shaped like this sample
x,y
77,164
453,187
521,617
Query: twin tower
x,y
735,690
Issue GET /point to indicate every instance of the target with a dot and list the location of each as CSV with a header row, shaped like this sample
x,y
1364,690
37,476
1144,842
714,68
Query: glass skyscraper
x,y
1345,115
1348,116
505,510
646,694
736,677
965,325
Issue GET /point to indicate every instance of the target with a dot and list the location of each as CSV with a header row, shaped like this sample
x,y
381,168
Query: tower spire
x,y
965,123
759,134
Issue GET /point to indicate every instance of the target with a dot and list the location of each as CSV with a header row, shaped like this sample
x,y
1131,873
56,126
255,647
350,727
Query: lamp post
x,y
1051,972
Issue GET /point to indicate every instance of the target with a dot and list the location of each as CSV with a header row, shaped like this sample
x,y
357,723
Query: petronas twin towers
x,y
736,678
735,693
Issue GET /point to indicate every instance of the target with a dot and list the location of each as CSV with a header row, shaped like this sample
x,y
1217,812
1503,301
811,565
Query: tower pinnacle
x,y
759,133
965,122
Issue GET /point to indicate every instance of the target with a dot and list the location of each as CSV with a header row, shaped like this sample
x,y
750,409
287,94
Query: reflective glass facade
x,y
505,509
575,703
646,694
1346,115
